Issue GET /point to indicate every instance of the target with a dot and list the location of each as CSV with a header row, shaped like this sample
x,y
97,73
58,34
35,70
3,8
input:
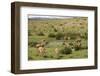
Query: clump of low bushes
x,y
59,36
40,33
52,35
32,43
66,50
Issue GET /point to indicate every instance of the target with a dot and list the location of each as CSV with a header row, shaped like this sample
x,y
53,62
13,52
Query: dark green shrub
x,y
66,50
32,44
45,56
55,30
51,35
77,46
59,36
40,33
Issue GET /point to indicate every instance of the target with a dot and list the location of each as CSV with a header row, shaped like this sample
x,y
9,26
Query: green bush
x,y
77,46
32,44
59,36
66,50
55,29
51,35
40,33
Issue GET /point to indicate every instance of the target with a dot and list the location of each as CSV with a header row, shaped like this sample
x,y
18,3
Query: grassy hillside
x,y
56,33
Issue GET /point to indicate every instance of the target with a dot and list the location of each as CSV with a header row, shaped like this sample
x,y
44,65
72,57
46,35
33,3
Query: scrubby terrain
x,y
62,38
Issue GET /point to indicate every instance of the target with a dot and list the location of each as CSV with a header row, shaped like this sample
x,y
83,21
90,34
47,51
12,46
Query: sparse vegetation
x,y
68,35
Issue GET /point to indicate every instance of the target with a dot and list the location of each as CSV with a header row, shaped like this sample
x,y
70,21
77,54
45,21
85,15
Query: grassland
x,y
55,32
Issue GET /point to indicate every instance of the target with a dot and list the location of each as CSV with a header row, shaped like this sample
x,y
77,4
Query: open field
x,y
61,38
